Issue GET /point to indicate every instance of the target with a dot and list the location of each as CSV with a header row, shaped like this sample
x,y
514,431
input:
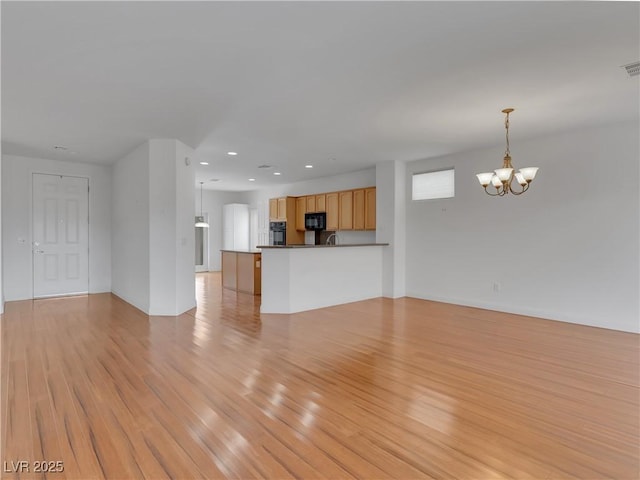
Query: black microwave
x,y
315,221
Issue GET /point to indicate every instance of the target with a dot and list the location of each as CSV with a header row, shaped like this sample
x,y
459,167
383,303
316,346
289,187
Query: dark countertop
x,y
325,246
253,252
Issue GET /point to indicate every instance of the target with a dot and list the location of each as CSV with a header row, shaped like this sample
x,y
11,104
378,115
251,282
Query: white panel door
x,y
253,228
60,235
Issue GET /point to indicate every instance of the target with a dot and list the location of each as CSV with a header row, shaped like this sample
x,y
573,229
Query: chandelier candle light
x,y
502,178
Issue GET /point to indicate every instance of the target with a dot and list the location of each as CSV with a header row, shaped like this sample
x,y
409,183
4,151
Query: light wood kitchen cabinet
x,y
286,211
301,209
346,210
358,209
282,209
370,208
311,203
345,218
333,211
273,209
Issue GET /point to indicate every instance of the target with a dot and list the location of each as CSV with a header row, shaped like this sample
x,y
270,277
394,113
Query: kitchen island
x,y
296,278
241,271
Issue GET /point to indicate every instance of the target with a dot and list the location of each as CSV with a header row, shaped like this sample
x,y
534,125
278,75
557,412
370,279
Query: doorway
x,y
60,229
202,245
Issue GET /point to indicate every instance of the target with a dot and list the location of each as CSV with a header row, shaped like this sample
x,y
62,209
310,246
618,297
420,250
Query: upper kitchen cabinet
x,y
304,205
364,209
370,208
273,209
301,209
358,209
333,211
346,210
345,221
282,209
362,214
311,203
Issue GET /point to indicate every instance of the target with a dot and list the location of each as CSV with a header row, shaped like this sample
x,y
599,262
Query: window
x,y
431,185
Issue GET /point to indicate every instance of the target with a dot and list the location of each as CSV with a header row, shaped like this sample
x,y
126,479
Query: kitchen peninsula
x,y
296,278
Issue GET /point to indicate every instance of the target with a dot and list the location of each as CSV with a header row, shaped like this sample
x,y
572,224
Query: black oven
x,y
315,221
277,233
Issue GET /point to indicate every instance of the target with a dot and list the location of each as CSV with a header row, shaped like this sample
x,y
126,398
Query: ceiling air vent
x,y
633,69
264,166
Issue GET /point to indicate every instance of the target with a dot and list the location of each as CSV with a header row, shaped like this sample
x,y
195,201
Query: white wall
x,y
391,225
1,271
162,218
171,228
130,228
153,228
260,199
567,250
185,238
1,249
16,219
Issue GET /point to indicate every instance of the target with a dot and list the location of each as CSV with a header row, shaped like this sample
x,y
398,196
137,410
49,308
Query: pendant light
x,y
502,178
201,223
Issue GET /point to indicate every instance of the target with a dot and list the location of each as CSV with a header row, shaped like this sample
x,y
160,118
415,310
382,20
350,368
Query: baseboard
x,y
529,312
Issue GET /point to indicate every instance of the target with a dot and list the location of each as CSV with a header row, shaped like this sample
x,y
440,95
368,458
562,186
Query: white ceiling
x,y
340,85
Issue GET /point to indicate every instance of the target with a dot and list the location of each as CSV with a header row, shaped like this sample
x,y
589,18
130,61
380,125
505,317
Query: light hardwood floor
x,y
376,389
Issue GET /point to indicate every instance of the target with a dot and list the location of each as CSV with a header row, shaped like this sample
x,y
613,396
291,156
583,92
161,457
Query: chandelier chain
x,y
507,153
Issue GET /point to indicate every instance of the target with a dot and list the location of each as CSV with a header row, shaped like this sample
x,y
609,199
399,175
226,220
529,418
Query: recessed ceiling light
x,y
308,166
277,173
252,179
232,153
204,163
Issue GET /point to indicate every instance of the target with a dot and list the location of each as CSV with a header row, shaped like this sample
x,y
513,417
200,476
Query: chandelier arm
x,y
489,193
524,189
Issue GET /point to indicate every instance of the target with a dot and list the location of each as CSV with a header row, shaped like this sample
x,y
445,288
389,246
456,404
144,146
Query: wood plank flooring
x,y
376,389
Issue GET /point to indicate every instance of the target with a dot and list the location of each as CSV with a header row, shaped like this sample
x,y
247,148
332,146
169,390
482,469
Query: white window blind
x,y
431,185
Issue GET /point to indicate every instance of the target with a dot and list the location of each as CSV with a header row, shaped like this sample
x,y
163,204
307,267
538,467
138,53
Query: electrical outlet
x,y
496,287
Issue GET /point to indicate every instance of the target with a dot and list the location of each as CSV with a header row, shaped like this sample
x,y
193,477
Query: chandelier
x,y
502,178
